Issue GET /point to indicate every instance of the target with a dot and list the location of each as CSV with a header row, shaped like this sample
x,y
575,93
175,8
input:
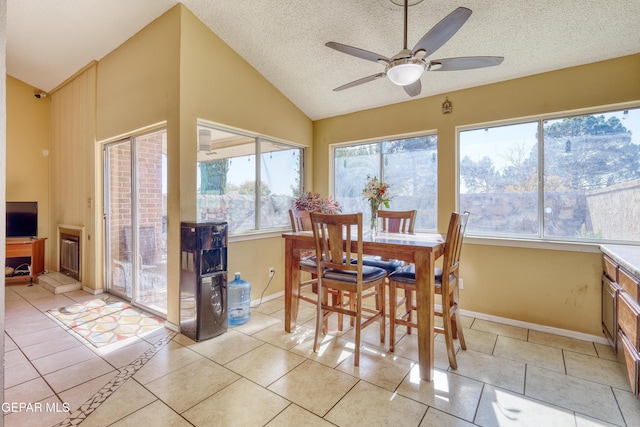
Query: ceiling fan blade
x,y
360,53
413,89
360,81
442,31
464,63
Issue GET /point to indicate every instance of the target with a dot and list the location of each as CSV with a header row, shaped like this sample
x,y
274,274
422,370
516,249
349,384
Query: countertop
x,y
626,256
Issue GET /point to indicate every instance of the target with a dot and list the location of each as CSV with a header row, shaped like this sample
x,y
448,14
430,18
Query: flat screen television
x,y
22,219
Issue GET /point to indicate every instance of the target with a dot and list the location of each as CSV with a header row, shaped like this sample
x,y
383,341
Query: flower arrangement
x,y
313,202
377,194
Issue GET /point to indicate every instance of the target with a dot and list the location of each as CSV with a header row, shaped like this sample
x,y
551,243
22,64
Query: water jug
x,y
239,298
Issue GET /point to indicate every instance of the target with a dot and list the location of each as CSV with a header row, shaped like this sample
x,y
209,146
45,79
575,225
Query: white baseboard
x,y
540,328
92,291
268,298
171,326
600,339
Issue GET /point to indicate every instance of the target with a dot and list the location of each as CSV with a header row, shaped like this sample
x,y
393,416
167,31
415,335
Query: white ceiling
x,y
48,41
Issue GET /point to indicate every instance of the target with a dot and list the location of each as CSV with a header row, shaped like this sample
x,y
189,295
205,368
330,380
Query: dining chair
x,y
398,221
446,285
338,240
393,222
301,221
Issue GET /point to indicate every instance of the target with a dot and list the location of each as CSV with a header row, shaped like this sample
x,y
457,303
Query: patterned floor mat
x,y
106,320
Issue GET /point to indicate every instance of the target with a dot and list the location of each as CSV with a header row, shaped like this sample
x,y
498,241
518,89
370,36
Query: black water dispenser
x,y
203,279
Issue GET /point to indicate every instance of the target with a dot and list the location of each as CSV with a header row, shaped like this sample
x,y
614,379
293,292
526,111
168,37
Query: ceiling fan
x,y
405,68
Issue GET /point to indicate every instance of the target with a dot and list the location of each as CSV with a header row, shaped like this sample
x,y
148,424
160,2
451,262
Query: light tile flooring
x,y
258,375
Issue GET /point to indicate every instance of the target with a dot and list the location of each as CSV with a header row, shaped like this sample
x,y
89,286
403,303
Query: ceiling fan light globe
x,y
405,72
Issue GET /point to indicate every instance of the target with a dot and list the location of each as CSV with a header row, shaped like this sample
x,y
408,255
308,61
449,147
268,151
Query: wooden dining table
x,y
421,249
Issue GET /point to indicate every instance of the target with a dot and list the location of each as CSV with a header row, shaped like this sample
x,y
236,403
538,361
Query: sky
x,y
492,140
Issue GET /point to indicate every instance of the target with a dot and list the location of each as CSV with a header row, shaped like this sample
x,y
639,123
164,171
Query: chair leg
x,y
321,318
336,299
446,320
408,303
352,307
392,316
457,321
358,325
381,291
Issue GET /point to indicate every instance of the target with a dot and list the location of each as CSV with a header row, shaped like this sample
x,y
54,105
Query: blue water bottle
x,y
239,298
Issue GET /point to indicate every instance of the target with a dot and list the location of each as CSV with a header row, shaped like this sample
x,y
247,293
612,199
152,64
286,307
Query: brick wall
x,y
611,213
151,202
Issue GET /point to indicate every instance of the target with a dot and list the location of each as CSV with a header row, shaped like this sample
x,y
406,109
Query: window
x,y
228,190
409,165
568,178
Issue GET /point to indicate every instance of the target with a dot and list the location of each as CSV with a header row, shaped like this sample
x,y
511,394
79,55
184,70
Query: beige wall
x,y
28,134
169,72
217,85
3,164
138,87
175,71
72,178
554,288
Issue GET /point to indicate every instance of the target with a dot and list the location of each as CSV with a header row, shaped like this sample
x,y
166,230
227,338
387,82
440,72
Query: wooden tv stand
x,y
25,247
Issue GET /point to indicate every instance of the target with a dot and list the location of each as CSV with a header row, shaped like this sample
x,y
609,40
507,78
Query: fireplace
x,y
70,255
70,251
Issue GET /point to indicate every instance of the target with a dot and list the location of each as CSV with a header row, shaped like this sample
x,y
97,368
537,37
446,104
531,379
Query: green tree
x,y
590,152
580,153
213,176
480,176
249,187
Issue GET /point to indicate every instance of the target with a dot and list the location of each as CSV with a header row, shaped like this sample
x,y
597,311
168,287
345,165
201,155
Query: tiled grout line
x,y
125,373
564,351
99,397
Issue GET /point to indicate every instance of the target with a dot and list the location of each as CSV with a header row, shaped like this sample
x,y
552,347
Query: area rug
x,y
107,320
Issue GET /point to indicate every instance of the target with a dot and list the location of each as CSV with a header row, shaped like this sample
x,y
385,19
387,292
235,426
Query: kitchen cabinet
x,y
621,306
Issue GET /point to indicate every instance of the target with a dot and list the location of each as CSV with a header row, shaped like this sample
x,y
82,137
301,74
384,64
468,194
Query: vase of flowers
x,y
313,202
376,192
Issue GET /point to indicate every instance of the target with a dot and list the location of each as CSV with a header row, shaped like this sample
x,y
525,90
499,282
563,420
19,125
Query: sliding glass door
x,y
135,220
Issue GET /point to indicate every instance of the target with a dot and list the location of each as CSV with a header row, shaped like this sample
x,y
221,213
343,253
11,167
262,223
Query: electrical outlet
x,y
460,283
272,271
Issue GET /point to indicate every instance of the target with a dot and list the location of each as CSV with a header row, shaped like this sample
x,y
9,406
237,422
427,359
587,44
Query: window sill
x,y
257,235
534,244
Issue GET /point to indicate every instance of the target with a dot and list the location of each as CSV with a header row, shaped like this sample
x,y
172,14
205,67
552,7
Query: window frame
x,y
542,241
331,160
258,140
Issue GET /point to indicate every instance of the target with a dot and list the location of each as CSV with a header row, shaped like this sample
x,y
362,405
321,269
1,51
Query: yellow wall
x,y
548,287
217,85
28,134
175,71
138,87
72,179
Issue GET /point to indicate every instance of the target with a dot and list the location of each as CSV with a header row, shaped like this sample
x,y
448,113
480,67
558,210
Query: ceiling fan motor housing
x,y
404,71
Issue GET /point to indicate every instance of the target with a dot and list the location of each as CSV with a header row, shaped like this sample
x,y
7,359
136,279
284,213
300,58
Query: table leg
x,y
425,282
291,285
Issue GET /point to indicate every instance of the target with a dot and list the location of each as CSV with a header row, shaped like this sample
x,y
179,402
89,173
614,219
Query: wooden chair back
x,y
398,221
338,239
300,220
452,250
334,235
446,285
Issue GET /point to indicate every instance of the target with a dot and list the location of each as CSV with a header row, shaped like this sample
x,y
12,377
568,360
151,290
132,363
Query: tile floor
x,y
258,375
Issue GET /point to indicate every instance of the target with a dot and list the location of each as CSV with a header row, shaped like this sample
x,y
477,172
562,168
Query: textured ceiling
x,y
48,41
